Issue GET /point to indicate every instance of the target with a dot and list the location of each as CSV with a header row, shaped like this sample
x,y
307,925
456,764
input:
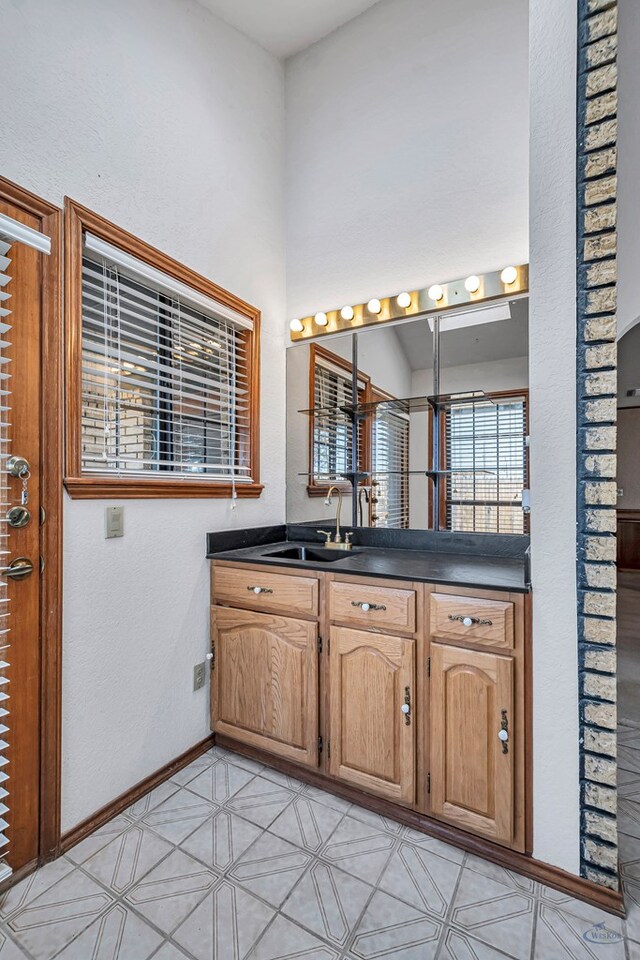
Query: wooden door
x,y
472,779
371,680
22,435
265,682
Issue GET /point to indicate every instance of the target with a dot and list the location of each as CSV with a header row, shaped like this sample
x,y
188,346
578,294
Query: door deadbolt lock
x,y
17,466
18,569
18,516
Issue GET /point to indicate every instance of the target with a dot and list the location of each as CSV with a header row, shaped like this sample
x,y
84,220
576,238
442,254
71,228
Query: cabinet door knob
x,y
365,606
257,590
469,621
503,732
406,706
209,656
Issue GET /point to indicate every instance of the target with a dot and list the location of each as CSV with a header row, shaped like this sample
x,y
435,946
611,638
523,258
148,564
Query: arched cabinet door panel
x,y
372,734
472,740
264,682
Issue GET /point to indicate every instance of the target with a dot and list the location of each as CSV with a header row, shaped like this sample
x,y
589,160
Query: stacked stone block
x,y
596,400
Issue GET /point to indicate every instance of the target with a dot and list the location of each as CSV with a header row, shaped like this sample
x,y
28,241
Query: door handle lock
x,y
18,569
17,466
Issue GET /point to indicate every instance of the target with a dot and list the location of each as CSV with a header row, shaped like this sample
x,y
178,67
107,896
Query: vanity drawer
x,y
260,590
486,622
374,606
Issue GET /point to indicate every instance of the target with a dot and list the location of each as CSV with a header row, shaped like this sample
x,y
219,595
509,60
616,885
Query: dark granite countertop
x,y
455,566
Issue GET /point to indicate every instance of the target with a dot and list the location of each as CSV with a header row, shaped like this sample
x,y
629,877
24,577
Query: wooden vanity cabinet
x,y
264,681
471,770
477,712
410,692
371,679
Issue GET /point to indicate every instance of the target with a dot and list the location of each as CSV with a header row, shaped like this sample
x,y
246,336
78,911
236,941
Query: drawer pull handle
x,y
260,589
469,621
503,732
406,706
368,606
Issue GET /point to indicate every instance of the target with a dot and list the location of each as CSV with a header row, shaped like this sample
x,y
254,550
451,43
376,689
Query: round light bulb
x,y
297,326
509,275
374,305
347,313
472,283
321,319
435,292
404,300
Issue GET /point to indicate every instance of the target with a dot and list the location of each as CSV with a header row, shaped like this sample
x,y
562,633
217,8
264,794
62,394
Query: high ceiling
x,y
285,27
478,344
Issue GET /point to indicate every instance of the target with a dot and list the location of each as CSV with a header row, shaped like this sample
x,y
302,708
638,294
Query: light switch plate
x,y
113,522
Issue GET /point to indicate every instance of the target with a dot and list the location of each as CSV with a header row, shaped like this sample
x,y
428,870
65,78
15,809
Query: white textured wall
x,y
406,150
552,395
628,161
170,123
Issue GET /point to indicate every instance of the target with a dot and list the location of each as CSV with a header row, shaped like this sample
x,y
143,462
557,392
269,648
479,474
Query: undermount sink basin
x,y
311,554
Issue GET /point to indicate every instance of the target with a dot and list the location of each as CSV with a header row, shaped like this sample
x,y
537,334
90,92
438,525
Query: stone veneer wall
x,y
597,489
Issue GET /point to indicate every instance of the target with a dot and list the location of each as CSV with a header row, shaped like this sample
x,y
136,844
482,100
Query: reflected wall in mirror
x,y
481,448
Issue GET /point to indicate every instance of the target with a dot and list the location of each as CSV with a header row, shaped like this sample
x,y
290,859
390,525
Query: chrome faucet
x,y
336,543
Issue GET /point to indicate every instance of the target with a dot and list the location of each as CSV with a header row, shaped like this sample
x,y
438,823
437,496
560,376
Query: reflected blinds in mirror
x,y
485,447
389,463
165,383
332,428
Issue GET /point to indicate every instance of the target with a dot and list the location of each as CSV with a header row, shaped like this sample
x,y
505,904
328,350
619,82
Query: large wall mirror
x,y
398,457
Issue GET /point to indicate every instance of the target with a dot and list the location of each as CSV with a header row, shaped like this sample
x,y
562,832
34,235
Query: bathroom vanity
x,y
395,674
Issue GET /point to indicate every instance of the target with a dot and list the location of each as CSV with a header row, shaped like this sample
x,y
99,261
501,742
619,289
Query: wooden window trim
x,y
315,351
80,485
493,395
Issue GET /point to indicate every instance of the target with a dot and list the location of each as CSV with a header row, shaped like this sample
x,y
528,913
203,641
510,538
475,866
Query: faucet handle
x,y
325,533
347,537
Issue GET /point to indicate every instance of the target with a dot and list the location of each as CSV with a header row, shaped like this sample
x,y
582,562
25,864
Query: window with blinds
x,y
165,378
389,463
485,447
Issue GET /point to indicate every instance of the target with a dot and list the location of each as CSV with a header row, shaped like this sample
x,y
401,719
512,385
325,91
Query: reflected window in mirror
x,y
483,444
389,464
331,428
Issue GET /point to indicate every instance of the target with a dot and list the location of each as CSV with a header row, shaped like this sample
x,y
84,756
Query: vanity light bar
x,y
511,281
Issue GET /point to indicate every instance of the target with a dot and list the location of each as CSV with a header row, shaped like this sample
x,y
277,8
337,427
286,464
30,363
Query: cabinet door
x,y
372,745
471,695
264,685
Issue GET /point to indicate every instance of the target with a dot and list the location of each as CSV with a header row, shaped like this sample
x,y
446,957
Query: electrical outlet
x,y
199,674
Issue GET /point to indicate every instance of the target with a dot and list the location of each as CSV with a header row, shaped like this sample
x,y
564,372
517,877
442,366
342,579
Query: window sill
x,y
321,491
119,488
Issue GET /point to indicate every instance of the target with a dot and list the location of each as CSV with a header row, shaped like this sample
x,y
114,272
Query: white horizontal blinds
x,y
485,444
389,463
165,384
332,427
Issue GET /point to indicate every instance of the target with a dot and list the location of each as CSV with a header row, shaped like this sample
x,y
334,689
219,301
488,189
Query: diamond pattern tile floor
x,y
231,861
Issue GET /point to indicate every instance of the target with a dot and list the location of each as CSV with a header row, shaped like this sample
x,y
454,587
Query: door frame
x,y
51,445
